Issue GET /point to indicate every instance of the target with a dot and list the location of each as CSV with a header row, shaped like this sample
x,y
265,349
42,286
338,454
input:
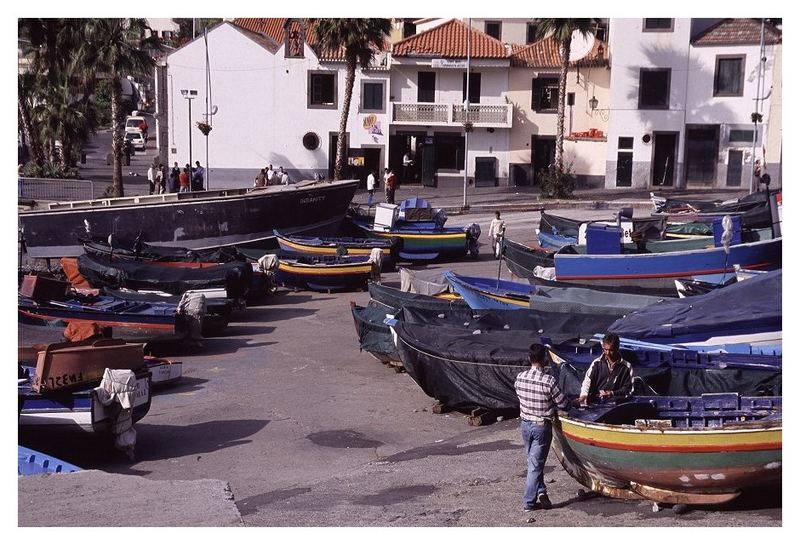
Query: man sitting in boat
x,y
609,377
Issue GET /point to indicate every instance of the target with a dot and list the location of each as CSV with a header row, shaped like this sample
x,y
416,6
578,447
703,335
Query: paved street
x,y
309,431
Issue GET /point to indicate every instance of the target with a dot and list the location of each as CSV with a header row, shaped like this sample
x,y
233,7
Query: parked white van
x,y
137,124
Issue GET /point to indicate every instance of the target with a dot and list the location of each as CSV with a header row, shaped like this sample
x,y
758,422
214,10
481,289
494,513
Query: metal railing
x,y
480,115
54,189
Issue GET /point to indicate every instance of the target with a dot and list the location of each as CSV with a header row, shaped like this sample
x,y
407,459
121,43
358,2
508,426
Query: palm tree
x,y
359,38
117,48
562,31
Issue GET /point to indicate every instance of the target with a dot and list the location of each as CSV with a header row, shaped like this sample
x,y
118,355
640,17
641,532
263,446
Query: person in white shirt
x,y
151,179
370,187
284,176
407,164
270,173
496,228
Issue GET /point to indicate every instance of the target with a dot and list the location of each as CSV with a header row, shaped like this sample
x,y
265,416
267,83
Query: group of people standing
x,y
181,180
389,185
270,176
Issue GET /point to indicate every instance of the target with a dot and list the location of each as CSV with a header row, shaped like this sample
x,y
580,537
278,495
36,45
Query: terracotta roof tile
x,y
738,32
545,54
449,40
274,28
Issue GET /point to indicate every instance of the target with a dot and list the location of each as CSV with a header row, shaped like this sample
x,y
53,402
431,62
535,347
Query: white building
x,y
274,100
428,94
681,104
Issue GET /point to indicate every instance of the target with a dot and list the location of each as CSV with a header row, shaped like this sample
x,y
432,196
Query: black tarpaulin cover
x,y
752,305
643,228
373,335
235,276
465,369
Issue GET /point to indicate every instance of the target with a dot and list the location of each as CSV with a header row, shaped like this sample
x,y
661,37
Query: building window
x,y
474,87
624,168
729,76
530,33
733,177
544,95
372,96
426,86
625,142
492,28
657,25
654,88
740,135
322,90
449,151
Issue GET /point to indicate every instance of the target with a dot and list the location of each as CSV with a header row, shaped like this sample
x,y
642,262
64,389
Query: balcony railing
x,y
481,115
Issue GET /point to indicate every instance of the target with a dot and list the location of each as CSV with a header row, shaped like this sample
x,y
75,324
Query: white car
x,y
137,140
136,123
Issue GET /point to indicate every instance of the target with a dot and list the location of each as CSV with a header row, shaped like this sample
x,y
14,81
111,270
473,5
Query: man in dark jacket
x,y
609,376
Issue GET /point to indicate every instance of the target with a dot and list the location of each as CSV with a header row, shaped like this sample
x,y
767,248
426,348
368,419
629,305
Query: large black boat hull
x,y
196,220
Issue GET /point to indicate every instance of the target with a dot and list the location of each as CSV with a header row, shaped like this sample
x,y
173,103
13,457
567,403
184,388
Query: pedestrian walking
x,y
159,179
407,164
184,179
261,179
371,186
390,183
198,176
495,230
174,174
151,179
539,396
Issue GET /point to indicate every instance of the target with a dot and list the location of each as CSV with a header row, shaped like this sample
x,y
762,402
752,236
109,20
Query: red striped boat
x,y
689,450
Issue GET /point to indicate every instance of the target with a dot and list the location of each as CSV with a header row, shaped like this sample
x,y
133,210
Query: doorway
x,y
333,138
702,149
399,144
543,154
665,149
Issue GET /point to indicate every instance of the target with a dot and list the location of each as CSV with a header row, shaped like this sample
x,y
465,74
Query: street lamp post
x,y
189,95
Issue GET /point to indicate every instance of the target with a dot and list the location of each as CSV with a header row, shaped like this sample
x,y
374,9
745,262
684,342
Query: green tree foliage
x,y
562,31
359,39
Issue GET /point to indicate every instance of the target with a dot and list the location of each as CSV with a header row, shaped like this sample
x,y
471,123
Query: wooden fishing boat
x,y
304,245
326,273
396,298
197,220
71,409
129,320
427,244
687,450
490,293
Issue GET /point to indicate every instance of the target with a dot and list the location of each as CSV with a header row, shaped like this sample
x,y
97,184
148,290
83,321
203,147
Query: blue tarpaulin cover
x,y
750,306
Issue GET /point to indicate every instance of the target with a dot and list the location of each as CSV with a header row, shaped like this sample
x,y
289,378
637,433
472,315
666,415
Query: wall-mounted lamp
x,y
593,103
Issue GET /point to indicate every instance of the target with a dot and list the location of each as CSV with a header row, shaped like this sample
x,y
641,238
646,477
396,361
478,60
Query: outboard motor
x,y
473,233
439,218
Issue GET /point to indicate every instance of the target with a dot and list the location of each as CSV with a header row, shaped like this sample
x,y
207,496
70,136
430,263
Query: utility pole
x,y
466,115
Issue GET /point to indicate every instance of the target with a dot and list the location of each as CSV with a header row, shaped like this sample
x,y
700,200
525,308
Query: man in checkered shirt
x,y
539,396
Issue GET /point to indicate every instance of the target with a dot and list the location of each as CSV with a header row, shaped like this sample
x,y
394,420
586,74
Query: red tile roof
x,y
545,54
274,28
738,32
449,40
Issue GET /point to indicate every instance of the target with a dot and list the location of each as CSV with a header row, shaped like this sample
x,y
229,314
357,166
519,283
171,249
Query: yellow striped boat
x,y
690,450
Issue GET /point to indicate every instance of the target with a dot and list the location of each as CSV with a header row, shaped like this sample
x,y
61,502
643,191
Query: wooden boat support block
x,y
481,417
687,498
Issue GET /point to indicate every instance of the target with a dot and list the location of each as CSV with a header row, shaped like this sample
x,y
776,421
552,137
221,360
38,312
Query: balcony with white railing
x,y
451,115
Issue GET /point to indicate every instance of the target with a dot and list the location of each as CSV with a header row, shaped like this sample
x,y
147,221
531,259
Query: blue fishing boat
x,y
490,293
661,269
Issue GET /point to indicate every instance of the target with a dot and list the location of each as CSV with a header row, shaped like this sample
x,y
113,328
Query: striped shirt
x,y
538,394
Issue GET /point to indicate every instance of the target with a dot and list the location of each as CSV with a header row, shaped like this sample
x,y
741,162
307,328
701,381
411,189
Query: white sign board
x,y
448,63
